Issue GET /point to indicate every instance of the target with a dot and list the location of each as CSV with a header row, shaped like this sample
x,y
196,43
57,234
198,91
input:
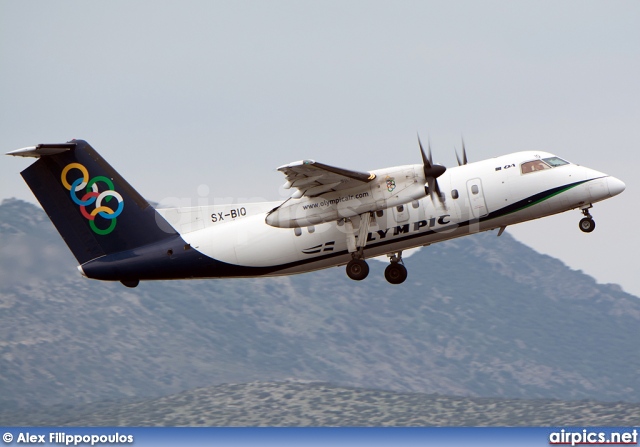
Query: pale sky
x,y
200,101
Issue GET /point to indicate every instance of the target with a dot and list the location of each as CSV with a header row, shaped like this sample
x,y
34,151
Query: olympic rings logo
x,y
93,196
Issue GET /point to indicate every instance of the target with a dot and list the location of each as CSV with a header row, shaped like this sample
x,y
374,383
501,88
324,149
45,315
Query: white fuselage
x,y
479,196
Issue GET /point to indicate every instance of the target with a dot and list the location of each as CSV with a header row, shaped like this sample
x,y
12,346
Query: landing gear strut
x,y
396,272
587,224
357,268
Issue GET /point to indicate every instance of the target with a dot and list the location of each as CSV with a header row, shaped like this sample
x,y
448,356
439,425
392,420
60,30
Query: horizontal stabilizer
x,y
42,150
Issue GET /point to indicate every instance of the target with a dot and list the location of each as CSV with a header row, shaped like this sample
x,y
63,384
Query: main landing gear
x,y
396,272
357,267
587,224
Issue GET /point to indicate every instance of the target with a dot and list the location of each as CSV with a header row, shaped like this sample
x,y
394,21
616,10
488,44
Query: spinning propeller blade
x,y
431,173
464,155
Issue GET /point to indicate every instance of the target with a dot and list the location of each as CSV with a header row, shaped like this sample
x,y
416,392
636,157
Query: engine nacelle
x,y
392,187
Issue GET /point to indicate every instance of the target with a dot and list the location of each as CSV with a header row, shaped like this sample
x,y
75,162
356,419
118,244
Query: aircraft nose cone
x,y
615,186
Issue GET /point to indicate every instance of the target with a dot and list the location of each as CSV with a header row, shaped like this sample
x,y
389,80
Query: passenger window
x,y
415,204
311,229
532,166
297,231
454,194
400,208
380,213
475,189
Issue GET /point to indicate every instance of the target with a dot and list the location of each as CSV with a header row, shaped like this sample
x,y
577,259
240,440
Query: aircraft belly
x,y
266,246
248,242
251,243
379,248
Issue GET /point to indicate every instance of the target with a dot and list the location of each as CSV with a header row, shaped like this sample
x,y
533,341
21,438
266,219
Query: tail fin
x,y
93,208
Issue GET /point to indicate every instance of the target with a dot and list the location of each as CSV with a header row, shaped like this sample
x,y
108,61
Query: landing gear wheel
x,y
587,225
395,273
357,269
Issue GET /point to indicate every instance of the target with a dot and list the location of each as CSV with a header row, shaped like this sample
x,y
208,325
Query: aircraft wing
x,y
311,178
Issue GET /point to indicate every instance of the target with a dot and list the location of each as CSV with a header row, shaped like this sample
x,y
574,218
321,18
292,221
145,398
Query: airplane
x,y
334,216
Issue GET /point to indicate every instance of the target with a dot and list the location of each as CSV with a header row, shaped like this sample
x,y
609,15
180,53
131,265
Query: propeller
x,y
464,155
431,173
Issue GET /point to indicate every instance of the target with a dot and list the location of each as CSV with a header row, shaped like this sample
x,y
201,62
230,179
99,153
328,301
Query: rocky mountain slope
x,y
479,316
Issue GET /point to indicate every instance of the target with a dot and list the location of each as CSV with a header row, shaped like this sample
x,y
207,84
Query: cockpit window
x,y
555,161
532,166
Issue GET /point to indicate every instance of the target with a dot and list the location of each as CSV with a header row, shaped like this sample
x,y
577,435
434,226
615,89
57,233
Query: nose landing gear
x,y
587,224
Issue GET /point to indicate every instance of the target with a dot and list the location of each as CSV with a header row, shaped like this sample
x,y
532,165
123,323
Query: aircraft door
x,y
401,212
476,198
